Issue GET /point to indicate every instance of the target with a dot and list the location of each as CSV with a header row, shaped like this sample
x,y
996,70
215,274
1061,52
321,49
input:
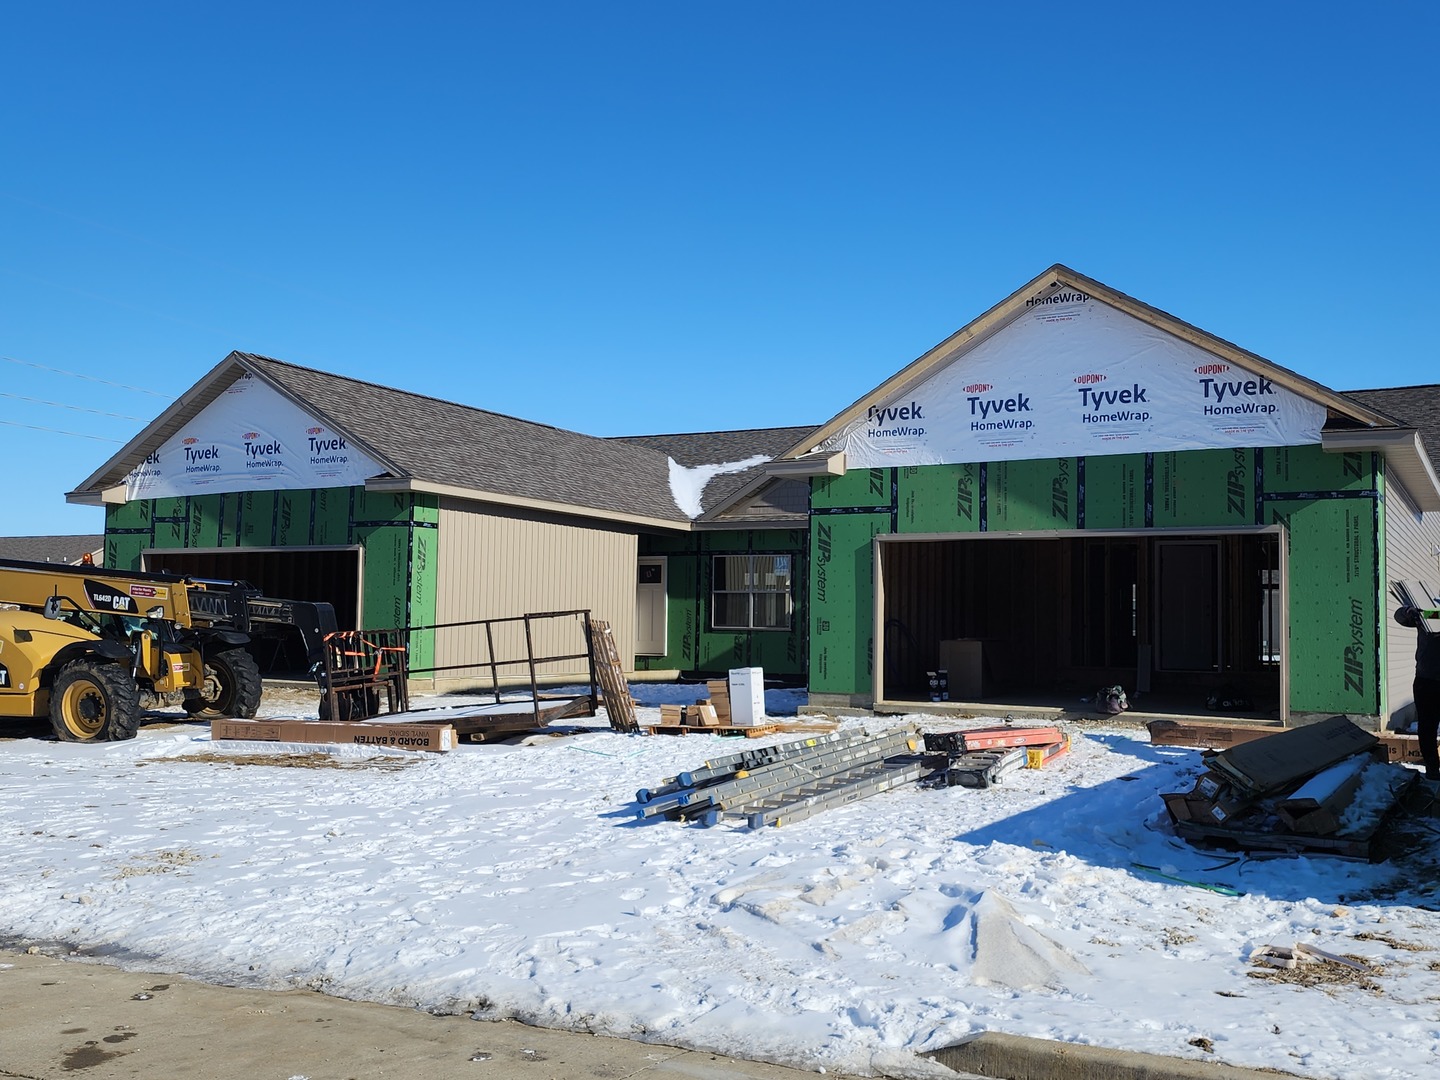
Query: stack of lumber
x,y
776,785
980,757
719,699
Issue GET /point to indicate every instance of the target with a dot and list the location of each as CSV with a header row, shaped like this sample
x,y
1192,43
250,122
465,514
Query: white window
x,y
750,592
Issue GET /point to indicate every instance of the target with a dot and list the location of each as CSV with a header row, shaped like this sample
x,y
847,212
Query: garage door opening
x,y
330,574
1188,624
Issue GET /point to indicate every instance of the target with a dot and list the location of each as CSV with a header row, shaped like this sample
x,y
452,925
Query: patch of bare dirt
x,y
290,761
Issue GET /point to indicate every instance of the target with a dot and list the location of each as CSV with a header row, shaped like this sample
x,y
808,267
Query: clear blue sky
x,y
640,217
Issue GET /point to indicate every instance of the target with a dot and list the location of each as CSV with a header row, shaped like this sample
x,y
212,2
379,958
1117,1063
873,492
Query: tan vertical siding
x,y
496,564
1411,539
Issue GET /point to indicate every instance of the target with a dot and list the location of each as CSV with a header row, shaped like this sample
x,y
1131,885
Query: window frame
x,y
752,591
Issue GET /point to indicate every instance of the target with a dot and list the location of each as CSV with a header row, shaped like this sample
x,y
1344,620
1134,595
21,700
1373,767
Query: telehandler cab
x,y
91,648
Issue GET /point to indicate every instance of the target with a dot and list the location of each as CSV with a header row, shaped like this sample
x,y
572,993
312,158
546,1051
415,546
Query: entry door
x,y
1187,615
650,607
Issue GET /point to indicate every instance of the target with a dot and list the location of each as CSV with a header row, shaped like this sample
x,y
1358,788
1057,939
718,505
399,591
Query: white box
x,y
747,695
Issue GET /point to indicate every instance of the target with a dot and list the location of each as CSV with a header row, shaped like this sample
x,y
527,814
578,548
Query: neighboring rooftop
x,y
60,549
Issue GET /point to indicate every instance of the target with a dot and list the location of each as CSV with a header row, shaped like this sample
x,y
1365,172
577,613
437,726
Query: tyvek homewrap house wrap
x,y
406,510
1088,491
1073,490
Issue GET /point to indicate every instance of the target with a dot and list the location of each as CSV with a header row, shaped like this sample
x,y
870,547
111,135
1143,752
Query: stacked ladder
x,y
980,757
778,785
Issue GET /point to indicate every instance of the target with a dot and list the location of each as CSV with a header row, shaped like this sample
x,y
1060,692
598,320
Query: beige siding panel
x,y
495,564
1411,542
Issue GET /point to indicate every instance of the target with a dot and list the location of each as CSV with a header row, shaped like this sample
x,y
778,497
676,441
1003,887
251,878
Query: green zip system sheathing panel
x,y
1309,470
1027,495
855,490
1115,491
693,645
1202,488
398,531
1330,503
939,499
842,601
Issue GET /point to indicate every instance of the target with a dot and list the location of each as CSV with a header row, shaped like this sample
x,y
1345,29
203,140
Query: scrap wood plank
x,y
619,705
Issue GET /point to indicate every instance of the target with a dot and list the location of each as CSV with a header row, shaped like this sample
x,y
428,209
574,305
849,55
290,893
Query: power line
x,y
76,408
87,378
57,431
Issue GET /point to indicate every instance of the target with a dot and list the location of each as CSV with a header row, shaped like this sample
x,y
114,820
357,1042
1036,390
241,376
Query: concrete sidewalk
x,y
60,1017
63,1018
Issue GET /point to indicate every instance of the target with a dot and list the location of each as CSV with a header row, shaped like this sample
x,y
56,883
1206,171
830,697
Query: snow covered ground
x,y
516,880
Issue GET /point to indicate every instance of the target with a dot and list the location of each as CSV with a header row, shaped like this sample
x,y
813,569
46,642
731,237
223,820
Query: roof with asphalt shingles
x,y
723,448
465,447
63,549
1413,406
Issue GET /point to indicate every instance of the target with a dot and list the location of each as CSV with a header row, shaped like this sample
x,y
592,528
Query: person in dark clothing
x,y
1427,688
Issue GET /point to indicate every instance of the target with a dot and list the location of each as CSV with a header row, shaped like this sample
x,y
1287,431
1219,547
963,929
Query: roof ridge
x,y
1373,389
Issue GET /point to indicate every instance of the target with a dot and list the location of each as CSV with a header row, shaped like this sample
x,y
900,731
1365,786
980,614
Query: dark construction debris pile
x,y
1322,788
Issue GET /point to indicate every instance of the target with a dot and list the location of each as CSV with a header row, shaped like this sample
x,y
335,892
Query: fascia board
x,y
523,502
99,487
812,465
919,369
799,521
1059,276
1403,452
161,428
793,469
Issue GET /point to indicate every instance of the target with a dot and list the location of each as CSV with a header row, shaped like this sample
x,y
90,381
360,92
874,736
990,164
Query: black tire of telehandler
x,y
92,701
232,685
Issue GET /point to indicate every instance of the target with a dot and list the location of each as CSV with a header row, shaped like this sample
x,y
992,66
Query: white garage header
x,y
1071,376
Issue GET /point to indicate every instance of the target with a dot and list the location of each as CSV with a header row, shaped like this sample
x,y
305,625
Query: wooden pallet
x,y
619,705
749,731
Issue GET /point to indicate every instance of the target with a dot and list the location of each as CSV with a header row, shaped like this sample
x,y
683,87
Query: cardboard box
x,y
704,715
1209,785
1215,800
1204,736
1317,805
963,660
671,715
434,737
1401,748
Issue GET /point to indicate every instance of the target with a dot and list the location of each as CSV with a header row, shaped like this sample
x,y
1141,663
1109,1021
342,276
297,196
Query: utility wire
x,y
57,431
76,408
87,378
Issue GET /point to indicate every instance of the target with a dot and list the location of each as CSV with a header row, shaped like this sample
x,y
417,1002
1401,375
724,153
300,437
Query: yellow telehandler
x,y
90,647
